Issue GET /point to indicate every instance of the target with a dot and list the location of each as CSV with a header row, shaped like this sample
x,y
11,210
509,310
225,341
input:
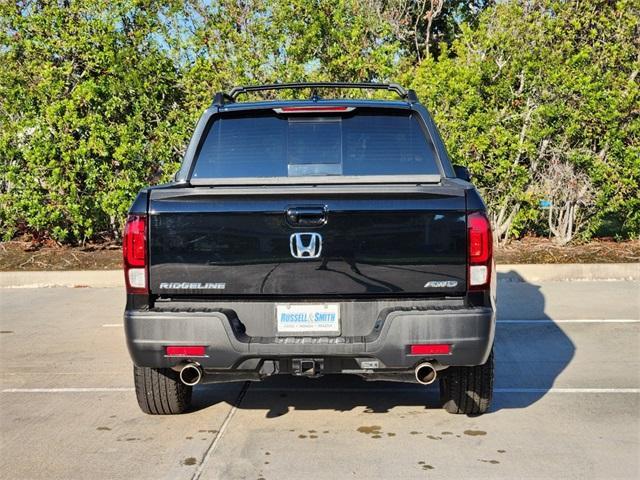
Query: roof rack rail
x,y
408,95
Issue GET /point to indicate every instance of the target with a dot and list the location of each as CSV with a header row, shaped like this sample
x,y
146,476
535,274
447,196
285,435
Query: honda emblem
x,y
305,245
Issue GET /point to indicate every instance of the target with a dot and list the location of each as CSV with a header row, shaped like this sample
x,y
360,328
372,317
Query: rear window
x,y
356,144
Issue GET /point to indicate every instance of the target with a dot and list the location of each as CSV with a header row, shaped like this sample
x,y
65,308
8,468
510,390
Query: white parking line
x,y
547,321
19,374
566,390
419,389
335,390
113,325
68,390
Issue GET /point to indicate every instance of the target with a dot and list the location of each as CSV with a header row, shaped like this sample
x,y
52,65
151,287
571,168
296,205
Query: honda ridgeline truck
x,y
311,237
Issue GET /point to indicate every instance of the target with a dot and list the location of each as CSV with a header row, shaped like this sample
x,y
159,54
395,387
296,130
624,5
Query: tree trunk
x,y
502,221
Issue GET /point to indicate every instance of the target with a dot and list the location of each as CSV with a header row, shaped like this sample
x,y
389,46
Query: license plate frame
x,y
289,321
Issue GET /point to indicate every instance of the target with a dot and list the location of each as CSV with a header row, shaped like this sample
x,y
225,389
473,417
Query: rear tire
x,y
160,392
467,390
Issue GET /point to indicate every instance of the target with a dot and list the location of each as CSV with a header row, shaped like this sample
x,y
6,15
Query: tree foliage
x,y
98,98
535,81
87,101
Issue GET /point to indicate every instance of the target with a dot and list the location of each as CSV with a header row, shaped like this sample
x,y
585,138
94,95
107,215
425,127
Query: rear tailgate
x,y
236,243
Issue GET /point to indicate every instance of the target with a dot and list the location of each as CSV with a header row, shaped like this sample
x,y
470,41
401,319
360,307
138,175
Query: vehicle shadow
x,y
281,394
531,350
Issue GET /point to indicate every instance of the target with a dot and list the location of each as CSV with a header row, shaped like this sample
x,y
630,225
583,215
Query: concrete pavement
x,y
566,403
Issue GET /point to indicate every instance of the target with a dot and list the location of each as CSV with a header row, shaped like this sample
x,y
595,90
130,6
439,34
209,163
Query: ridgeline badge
x,y
192,286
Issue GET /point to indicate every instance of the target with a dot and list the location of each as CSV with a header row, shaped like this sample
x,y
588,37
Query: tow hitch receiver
x,y
307,367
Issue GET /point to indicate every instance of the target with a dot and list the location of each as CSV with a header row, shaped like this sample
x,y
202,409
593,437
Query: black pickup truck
x,y
311,237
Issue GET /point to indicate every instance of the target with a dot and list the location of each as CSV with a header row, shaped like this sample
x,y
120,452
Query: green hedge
x,y
98,98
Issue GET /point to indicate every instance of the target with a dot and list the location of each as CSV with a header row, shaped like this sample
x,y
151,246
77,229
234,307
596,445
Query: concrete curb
x,y
569,272
67,278
506,273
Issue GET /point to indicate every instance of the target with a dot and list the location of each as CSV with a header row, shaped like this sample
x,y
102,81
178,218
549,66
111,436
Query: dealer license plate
x,y
308,318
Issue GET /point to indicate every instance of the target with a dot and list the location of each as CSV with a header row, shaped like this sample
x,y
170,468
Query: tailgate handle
x,y
306,216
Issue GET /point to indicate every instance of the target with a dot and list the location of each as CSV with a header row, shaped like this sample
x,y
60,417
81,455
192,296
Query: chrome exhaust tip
x,y
191,374
426,373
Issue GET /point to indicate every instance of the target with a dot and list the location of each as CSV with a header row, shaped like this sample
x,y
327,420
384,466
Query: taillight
x,y
480,250
134,251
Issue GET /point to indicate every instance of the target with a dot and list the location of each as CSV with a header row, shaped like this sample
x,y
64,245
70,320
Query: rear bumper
x,y
470,331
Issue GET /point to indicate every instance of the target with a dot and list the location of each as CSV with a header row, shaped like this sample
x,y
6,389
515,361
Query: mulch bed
x,y
543,250
21,255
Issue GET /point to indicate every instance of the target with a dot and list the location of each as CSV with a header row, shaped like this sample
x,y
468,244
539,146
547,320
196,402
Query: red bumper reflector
x,y
180,351
431,349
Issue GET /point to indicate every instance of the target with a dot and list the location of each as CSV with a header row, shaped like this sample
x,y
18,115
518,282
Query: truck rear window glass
x,y
363,142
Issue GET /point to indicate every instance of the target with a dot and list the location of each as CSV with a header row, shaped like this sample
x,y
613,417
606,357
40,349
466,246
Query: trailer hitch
x,y
307,367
